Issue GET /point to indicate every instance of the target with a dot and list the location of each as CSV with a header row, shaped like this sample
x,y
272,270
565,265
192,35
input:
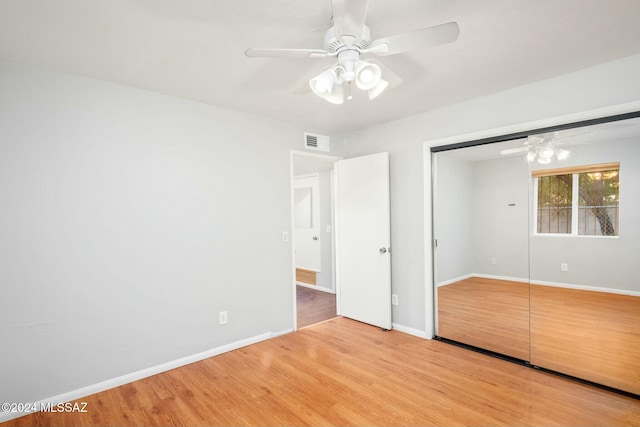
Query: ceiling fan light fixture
x,y
546,153
544,160
375,91
348,60
367,75
336,96
562,154
323,83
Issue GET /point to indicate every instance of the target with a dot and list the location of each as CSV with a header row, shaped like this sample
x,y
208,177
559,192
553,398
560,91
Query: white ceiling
x,y
195,49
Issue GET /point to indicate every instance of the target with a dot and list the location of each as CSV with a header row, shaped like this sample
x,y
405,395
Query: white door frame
x,y
327,157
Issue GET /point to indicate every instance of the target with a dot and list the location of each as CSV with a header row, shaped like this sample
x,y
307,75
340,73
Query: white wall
x,y
128,220
501,231
608,84
474,219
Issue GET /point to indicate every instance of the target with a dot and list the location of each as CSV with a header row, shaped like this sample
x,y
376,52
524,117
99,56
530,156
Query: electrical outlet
x,y
493,261
394,299
564,267
224,319
285,236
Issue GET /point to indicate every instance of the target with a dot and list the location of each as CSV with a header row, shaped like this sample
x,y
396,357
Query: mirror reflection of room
x,y
482,268
536,244
584,246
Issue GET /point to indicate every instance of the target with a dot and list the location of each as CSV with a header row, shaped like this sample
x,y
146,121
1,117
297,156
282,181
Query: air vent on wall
x,y
314,141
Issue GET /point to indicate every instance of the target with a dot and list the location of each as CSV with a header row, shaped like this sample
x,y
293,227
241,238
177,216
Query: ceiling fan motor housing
x,y
333,43
348,58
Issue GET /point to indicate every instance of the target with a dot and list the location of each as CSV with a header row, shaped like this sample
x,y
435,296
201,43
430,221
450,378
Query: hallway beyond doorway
x,y
314,306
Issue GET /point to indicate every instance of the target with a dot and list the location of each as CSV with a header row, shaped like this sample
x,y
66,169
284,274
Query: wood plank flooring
x,y
346,373
306,276
314,306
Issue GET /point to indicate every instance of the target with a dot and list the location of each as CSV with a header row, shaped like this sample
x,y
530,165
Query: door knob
x,y
383,250
315,237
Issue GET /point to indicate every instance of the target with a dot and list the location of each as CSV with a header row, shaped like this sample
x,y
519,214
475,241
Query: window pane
x,y
598,213
554,204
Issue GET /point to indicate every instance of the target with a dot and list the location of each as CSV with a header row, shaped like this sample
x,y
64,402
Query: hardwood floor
x,y
305,276
343,372
314,306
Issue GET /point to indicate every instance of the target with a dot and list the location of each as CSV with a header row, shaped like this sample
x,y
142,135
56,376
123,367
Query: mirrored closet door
x,y
481,227
537,240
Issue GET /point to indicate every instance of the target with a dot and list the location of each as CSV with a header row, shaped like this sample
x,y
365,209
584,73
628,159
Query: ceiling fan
x,y
347,40
544,147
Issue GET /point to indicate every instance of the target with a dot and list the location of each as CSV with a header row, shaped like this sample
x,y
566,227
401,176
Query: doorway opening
x,y
313,243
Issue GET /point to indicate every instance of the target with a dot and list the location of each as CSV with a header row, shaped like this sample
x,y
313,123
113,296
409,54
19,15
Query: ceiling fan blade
x,y
303,89
420,39
286,53
388,74
348,19
535,139
514,150
557,138
562,138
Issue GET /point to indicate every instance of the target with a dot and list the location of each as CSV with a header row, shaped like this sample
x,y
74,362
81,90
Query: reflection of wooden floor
x,y
487,313
587,334
314,306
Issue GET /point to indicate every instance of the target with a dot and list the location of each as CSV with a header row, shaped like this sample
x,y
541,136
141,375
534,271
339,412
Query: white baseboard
x,y
543,283
315,287
454,280
144,373
587,288
284,332
510,279
410,331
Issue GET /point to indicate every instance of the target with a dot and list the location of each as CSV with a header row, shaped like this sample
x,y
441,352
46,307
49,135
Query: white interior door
x,y
307,222
364,236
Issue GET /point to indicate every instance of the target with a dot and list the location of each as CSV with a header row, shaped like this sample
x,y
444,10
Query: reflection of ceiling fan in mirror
x,y
545,147
347,40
